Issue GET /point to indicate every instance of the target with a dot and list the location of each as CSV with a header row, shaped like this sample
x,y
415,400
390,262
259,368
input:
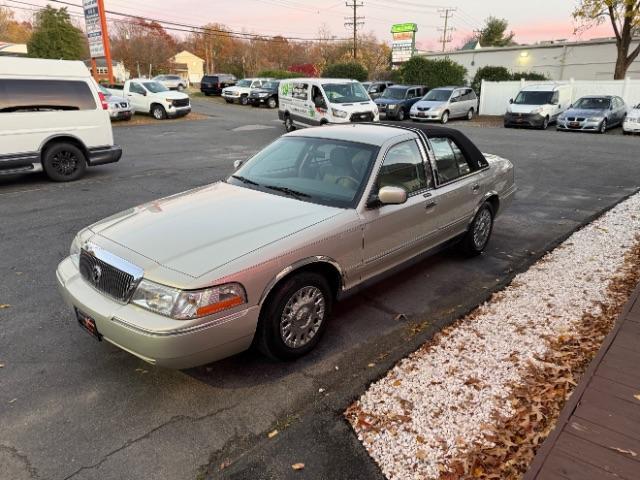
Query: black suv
x,y
214,83
265,95
376,89
396,101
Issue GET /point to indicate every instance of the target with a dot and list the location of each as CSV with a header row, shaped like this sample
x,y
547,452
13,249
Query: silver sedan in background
x,y
261,257
595,113
172,82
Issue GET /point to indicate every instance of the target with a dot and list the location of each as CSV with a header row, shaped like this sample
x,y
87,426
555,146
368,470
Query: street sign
x,y
403,46
94,28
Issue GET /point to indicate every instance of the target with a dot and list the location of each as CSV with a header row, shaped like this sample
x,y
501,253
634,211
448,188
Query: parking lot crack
x,y
20,457
129,443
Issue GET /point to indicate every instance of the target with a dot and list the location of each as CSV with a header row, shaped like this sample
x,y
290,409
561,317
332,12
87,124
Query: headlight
x,y
595,119
186,305
393,107
375,111
263,95
339,113
74,251
537,110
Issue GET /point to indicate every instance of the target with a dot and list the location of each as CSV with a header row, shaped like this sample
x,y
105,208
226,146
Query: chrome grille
x,y
361,117
106,278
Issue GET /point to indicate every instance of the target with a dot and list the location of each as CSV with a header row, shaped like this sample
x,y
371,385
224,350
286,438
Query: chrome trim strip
x,y
181,331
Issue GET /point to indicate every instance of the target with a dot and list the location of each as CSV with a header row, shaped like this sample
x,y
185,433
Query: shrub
x,y
277,74
350,70
433,73
529,76
490,74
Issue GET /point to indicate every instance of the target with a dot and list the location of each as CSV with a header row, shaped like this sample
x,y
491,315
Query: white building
x,y
13,49
558,60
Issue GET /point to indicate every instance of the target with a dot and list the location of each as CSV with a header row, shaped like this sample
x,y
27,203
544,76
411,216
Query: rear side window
x,y
450,161
44,95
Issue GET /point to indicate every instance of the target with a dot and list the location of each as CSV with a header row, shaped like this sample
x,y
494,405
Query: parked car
x,y
396,101
240,91
376,89
594,113
52,118
442,104
215,83
299,225
172,82
118,107
149,96
265,95
632,121
308,102
537,106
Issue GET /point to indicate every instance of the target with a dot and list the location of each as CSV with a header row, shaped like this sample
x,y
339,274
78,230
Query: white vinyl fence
x,y
494,96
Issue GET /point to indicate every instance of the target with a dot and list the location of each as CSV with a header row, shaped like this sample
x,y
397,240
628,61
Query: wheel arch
x,y
63,138
326,266
493,199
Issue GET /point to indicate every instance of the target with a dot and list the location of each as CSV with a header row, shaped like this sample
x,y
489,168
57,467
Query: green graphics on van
x,y
285,89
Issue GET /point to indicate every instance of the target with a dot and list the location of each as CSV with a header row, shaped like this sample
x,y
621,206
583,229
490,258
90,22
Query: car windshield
x,y
394,93
438,95
533,98
271,85
318,170
592,103
366,85
104,91
244,83
345,92
155,87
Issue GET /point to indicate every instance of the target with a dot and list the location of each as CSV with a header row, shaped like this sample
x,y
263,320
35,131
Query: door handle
x,y
430,205
475,188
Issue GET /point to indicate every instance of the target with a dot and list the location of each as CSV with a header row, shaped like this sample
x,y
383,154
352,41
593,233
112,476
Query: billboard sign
x,y
403,46
94,27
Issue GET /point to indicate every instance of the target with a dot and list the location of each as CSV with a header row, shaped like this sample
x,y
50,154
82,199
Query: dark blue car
x,y
396,101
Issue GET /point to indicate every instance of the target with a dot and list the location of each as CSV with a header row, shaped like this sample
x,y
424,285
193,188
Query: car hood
x,y
634,113
431,104
585,112
264,90
201,230
513,108
387,101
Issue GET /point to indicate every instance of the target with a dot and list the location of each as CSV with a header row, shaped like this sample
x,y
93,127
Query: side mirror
x,y
511,100
144,93
237,164
319,102
392,196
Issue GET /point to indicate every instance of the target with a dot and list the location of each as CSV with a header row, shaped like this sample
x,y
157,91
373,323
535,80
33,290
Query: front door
x,y
137,98
395,233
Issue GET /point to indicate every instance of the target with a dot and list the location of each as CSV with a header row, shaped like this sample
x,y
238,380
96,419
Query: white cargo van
x,y
537,106
307,102
52,117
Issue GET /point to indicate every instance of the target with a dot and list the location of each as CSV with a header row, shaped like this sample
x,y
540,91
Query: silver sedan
x,y
261,257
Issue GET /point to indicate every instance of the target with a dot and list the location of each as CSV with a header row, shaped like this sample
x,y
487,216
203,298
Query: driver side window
x,y
136,88
403,167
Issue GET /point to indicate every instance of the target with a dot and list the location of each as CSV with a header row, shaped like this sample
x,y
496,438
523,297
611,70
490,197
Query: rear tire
x,y
64,162
288,124
294,317
477,237
228,100
244,100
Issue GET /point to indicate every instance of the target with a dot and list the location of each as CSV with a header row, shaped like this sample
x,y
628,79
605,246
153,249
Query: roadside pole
x,y
105,40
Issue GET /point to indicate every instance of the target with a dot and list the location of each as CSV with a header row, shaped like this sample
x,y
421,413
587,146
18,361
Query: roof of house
x,y
473,44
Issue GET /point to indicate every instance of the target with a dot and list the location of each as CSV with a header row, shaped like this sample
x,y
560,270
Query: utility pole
x,y
446,13
354,23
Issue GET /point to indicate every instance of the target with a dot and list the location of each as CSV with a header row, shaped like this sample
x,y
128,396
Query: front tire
x,y
470,114
180,87
477,237
244,100
401,115
445,118
294,317
545,123
603,127
158,112
272,103
64,162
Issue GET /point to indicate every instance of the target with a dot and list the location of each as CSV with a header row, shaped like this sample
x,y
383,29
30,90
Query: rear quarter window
x,y
23,95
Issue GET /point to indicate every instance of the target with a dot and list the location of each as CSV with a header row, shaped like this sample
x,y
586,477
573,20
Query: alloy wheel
x,y
482,229
65,163
302,317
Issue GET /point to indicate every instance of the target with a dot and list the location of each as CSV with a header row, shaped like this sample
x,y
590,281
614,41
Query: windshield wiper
x,y
245,180
288,191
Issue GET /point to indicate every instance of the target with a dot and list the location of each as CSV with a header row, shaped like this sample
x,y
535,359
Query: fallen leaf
x,y
371,365
637,397
421,454
225,464
13,400
401,317
297,466
4,305
397,383
321,390
1,365
622,450
272,434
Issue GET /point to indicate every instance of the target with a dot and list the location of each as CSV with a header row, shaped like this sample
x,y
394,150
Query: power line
x,y
355,23
446,13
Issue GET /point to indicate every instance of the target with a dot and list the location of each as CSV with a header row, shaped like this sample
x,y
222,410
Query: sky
x,y
531,21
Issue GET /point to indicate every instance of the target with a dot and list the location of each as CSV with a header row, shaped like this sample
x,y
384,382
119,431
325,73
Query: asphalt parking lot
x,y
74,408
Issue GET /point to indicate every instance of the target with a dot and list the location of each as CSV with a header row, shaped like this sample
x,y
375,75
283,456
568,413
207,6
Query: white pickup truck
x,y
149,96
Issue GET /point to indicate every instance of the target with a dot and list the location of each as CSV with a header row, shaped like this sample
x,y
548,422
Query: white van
x,y
537,106
52,117
307,102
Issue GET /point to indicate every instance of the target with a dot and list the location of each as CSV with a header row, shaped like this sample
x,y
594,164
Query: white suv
x,y
52,118
241,90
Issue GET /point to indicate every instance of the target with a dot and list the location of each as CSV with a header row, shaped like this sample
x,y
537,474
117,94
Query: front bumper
x,y
120,114
102,156
631,127
427,115
258,100
583,125
173,112
153,338
523,120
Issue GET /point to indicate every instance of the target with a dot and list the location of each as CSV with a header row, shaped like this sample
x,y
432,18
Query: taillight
x,y
103,101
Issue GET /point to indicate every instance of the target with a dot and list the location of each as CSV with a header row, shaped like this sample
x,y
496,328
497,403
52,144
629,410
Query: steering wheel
x,y
351,179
